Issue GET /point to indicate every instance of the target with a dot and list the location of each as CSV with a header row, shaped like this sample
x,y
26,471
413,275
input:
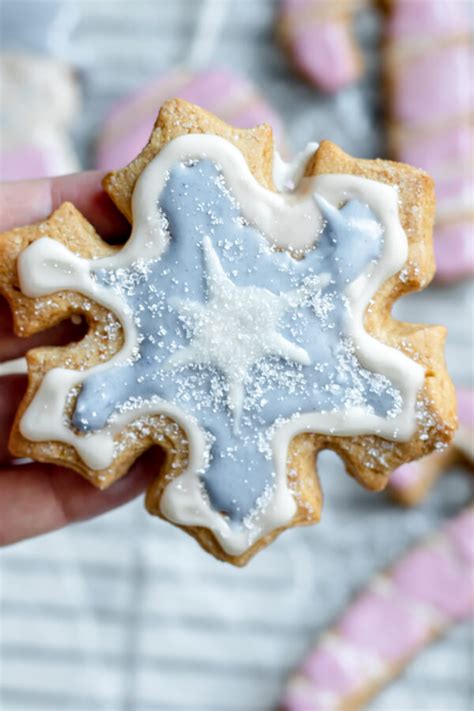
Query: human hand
x,y
37,498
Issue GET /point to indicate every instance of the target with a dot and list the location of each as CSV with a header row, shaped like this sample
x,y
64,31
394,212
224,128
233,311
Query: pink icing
x,y
129,124
433,576
435,86
296,700
112,155
454,250
452,146
212,84
119,114
23,163
213,87
454,187
432,17
389,624
405,476
379,624
251,115
324,51
326,671
465,398
302,697
432,97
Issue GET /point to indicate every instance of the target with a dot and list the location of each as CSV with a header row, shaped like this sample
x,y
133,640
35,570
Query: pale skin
x,y
37,498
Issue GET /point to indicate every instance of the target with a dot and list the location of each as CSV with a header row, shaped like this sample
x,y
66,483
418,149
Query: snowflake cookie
x,y
244,326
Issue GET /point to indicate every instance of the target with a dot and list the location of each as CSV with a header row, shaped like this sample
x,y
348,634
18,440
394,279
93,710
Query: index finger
x,y
28,201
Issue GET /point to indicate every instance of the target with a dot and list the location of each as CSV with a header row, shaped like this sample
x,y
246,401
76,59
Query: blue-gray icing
x,y
196,202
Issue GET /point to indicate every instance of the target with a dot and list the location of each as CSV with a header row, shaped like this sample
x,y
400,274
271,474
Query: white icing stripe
x,y
353,659
287,175
291,220
428,615
301,688
17,366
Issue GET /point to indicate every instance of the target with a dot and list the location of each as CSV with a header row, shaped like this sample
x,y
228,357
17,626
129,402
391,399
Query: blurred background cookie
x,y
232,98
428,66
405,608
39,90
40,102
319,39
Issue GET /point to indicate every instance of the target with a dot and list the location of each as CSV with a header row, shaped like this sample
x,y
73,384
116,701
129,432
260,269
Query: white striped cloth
x,y
125,613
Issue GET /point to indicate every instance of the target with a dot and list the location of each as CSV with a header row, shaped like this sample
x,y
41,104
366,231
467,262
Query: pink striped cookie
x,y
399,613
39,101
318,36
129,124
429,60
410,483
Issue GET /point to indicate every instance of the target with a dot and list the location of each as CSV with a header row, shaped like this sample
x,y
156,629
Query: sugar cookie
x,y
392,620
318,36
429,58
244,327
39,99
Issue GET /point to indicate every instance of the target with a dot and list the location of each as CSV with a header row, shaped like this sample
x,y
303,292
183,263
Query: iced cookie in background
x,y
428,589
39,90
40,101
234,329
318,36
232,98
429,57
410,483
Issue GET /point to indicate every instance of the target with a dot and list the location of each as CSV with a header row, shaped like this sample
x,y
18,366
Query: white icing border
x,y
287,175
47,266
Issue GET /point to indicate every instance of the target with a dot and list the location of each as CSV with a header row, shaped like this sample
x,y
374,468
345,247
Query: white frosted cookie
x,y
40,99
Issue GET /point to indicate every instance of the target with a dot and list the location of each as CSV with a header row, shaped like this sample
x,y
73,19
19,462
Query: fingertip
x,y
40,498
87,194
27,202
